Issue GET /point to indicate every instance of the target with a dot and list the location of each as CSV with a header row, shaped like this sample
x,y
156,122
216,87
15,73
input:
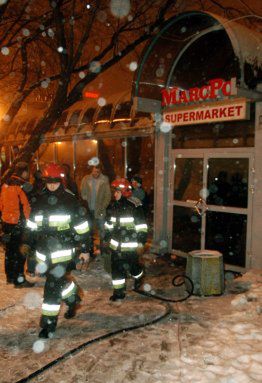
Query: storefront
x,y
201,77
120,138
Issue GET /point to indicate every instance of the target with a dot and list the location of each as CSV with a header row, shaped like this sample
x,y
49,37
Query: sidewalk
x,y
204,339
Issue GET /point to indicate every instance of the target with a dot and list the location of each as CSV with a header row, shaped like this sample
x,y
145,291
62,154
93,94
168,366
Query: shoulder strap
x,y
21,209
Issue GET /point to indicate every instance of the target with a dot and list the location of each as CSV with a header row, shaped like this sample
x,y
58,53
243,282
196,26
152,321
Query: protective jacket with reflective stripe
x,y
57,224
125,225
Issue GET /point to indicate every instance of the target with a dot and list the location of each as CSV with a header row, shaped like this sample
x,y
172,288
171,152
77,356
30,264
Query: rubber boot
x,y
48,326
138,283
45,333
72,308
71,312
117,295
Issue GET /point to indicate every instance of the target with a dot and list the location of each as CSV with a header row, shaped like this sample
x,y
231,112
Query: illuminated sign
x,y
91,95
237,109
214,90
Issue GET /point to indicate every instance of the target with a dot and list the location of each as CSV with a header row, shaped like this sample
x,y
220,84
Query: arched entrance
x,y
204,173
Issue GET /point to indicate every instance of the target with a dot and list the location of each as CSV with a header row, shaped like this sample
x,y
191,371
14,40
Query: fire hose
x,y
177,281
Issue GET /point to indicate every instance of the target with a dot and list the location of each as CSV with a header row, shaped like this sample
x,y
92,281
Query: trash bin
x,y
206,270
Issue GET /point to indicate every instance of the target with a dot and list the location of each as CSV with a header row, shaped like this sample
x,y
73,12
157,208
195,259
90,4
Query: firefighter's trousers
x,y
59,286
124,264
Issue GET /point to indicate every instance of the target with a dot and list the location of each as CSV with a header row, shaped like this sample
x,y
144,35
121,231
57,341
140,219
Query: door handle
x,y
201,207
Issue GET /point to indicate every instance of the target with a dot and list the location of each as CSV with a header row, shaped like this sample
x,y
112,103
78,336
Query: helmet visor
x,y
51,180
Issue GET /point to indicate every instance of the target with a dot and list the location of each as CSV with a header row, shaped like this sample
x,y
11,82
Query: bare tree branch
x,y
24,67
60,35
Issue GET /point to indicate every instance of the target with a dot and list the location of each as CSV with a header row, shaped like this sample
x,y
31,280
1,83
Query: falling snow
x,y
95,67
133,66
101,101
165,127
5,51
120,8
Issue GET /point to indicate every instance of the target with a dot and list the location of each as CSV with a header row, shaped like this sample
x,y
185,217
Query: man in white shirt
x,y
95,190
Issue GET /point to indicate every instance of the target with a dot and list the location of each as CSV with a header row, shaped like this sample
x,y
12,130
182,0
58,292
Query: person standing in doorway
x,y
137,189
69,181
95,190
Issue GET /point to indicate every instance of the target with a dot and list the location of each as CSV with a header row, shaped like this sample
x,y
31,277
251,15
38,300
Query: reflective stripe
x,y
113,219
127,219
126,246
38,218
50,310
128,222
60,221
82,228
129,245
113,244
139,275
61,256
142,227
119,283
68,291
32,225
108,226
59,218
40,257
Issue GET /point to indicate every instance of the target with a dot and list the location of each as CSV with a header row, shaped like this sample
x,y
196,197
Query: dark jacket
x,y
125,225
58,224
72,186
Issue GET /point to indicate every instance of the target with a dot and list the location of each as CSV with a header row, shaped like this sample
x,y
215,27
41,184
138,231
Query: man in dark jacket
x,y
126,233
59,224
14,207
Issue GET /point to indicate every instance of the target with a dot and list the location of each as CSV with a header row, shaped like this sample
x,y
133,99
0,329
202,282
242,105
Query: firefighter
x,y
126,233
58,224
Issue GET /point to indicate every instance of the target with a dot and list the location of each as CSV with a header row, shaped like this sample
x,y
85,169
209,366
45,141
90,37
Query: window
x,y
74,118
88,116
104,113
61,121
123,110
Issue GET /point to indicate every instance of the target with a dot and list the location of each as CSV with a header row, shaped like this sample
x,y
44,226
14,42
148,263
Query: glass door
x,y
212,196
187,189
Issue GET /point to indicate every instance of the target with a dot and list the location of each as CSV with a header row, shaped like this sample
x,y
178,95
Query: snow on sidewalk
x,y
205,339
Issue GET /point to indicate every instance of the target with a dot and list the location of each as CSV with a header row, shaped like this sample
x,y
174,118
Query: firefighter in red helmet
x,y
126,233
58,224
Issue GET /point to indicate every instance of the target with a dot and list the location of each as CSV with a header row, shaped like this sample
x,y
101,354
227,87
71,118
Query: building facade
x,y
201,77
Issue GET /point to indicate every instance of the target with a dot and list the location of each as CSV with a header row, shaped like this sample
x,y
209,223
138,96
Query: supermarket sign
x,y
214,90
209,103
237,109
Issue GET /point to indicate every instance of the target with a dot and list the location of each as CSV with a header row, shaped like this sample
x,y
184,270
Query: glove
x,y
85,257
24,249
140,249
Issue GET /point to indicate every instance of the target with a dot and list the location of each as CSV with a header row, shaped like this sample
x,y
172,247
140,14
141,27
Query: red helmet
x,y
53,173
123,185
